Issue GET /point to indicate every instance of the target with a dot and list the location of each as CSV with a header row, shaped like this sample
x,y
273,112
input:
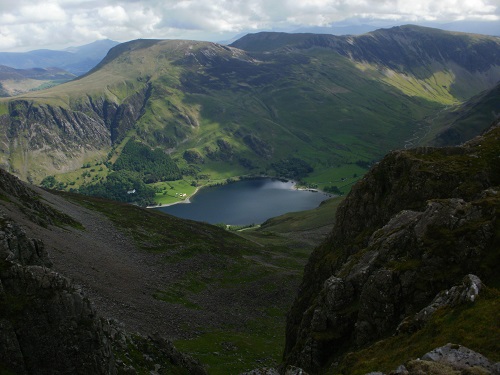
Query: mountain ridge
x,y
425,47
360,26
242,112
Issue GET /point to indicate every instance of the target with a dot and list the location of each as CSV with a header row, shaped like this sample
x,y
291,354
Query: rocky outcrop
x,y
461,358
153,354
415,225
466,292
53,126
47,326
259,146
193,157
290,370
448,359
29,202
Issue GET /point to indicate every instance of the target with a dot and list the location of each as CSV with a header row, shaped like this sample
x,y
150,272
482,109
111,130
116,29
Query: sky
x,y
56,24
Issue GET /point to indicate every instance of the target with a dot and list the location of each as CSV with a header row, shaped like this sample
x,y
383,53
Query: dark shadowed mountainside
x,y
416,225
459,124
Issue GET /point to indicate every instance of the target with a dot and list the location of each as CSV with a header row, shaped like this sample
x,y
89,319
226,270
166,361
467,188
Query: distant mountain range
x,y
315,107
360,26
18,81
76,60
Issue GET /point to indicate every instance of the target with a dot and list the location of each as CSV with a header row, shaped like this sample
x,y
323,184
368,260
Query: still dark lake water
x,y
246,202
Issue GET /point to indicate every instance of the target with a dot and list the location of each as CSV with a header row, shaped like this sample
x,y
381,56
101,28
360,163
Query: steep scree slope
x,y
47,323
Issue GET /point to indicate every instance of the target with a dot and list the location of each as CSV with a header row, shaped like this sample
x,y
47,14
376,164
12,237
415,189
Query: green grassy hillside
x,y
457,124
335,104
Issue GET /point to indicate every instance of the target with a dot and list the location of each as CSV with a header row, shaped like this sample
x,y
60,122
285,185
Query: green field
x,y
173,191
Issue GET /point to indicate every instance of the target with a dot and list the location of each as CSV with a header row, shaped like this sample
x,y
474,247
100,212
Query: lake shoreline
x,y
184,201
248,202
226,182
238,179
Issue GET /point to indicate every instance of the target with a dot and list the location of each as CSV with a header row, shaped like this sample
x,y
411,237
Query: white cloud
x,y
7,41
30,24
113,14
45,12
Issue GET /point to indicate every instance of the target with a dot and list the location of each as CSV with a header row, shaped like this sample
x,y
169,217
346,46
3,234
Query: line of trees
x,y
292,168
123,186
136,167
150,165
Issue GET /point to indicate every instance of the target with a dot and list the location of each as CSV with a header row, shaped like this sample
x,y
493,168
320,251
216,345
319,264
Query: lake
x,y
246,202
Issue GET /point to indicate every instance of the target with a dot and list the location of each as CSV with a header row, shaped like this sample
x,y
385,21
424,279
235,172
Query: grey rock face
x,y
379,307
46,325
337,295
369,302
449,359
58,135
262,371
461,358
464,293
54,327
16,247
